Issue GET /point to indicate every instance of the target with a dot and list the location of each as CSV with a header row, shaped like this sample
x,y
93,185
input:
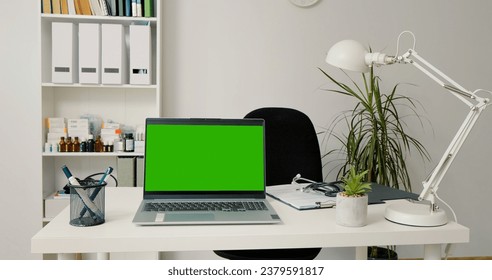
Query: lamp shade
x,y
348,55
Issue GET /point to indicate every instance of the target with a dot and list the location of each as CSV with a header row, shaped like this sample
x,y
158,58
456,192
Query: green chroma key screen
x,y
204,157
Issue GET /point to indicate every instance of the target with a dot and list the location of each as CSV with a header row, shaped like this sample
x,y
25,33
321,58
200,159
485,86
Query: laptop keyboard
x,y
229,206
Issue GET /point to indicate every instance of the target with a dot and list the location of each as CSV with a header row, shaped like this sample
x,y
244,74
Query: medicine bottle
x,y
76,144
55,147
90,143
83,145
98,145
129,142
47,147
63,144
119,144
69,144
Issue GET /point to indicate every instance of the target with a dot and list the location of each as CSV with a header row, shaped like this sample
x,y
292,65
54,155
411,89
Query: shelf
x,y
99,86
93,154
97,19
126,104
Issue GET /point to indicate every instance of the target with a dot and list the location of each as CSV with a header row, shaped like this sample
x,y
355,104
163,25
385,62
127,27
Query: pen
x,y
71,179
103,179
93,210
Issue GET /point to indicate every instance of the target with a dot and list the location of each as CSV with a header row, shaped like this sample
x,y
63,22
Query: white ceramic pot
x,y
351,211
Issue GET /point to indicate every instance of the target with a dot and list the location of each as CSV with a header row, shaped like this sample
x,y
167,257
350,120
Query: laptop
x,y
204,171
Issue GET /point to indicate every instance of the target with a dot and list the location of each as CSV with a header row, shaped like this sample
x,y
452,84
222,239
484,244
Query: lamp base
x,y
413,214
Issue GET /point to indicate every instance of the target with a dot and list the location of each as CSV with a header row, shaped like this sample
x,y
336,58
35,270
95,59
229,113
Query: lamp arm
x,y
455,88
431,184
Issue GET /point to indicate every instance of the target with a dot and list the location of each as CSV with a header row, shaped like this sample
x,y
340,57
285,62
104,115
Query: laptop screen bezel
x,y
205,194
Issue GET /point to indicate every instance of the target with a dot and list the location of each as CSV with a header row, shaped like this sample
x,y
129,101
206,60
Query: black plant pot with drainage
x,y
380,253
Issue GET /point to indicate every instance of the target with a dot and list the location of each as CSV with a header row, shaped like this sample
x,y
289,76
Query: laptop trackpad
x,y
176,217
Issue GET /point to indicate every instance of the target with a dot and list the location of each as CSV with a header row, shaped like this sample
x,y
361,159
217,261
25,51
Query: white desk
x,y
311,228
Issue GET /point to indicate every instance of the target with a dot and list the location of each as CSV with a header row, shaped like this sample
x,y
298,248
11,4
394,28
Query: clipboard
x,y
292,195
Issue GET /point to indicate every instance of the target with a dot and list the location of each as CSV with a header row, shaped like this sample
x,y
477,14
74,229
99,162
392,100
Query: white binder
x,y
63,53
140,55
89,53
114,54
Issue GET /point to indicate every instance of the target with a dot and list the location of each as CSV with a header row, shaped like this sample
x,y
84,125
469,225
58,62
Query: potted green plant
x,y
351,205
375,137
373,134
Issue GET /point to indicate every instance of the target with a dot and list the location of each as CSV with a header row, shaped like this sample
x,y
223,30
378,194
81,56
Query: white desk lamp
x,y
351,55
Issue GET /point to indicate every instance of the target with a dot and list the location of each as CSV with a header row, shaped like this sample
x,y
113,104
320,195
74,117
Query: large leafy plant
x,y
375,138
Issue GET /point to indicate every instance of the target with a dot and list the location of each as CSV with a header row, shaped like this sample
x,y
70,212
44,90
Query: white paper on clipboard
x,y
292,195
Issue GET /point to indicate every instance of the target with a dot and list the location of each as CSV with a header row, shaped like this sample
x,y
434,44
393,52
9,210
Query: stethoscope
x,y
320,187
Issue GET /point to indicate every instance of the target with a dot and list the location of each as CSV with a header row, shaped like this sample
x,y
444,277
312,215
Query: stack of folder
x,y
100,55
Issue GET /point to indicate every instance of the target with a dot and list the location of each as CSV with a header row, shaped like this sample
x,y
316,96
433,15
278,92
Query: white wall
x,y
20,115
224,58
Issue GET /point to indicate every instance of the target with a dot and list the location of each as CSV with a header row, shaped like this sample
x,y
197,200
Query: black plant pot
x,y
380,253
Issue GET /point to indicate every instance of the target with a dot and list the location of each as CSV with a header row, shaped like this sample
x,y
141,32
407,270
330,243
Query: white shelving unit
x,y
93,154
126,104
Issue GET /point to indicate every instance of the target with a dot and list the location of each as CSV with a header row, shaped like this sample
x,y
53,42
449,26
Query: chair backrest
x,y
292,145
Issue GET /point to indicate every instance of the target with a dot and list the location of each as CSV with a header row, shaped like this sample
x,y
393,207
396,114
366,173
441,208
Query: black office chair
x,y
291,148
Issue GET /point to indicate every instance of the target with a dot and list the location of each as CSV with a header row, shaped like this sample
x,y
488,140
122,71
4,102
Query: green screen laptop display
x,y
183,155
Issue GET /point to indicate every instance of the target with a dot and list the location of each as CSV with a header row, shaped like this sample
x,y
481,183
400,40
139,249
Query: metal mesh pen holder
x,y
87,203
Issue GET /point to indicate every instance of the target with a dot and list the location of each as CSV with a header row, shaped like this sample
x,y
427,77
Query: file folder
x,y
128,8
46,7
140,172
140,54
63,52
148,8
126,171
121,8
56,6
89,53
114,54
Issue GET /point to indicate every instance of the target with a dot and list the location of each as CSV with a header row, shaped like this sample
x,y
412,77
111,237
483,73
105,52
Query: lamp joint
x,y
434,207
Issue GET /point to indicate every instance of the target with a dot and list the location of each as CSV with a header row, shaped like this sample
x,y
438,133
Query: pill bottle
x,y
69,144
129,142
90,143
63,144
76,144
83,145
119,145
